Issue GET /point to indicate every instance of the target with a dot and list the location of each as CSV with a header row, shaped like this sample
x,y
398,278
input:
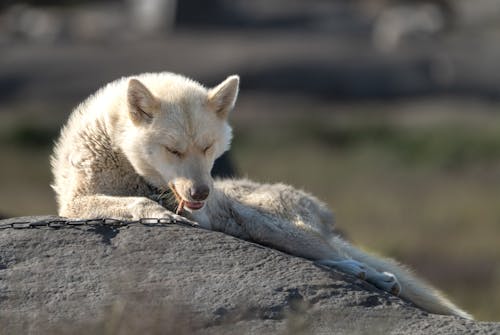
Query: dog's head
x,y
178,128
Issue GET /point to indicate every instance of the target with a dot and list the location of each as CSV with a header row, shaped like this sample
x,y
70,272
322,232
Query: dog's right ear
x,y
142,104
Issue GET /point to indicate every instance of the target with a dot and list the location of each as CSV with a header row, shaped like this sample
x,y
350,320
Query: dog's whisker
x,y
180,207
179,199
168,199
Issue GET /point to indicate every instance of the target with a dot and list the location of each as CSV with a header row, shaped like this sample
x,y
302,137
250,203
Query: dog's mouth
x,y
192,205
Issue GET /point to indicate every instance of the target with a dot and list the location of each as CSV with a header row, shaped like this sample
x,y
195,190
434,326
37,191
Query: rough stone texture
x,y
184,280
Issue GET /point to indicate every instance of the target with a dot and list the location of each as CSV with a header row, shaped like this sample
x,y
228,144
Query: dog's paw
x,y
384,280
348,266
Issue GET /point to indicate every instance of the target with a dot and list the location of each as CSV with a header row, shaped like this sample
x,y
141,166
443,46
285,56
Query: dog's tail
x,y
412,288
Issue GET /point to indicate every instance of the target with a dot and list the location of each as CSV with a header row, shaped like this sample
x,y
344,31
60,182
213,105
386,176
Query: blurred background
x,y
389,111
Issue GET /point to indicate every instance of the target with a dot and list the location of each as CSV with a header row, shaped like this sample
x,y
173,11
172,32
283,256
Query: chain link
x,y
116,223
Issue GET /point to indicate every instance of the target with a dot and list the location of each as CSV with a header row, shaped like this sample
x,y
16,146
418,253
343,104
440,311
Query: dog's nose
x,y
199,192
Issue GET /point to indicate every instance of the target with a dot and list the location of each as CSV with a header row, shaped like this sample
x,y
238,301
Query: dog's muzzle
x,y
198,194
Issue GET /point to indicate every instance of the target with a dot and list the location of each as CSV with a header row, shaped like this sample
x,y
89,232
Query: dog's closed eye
x,y
175,152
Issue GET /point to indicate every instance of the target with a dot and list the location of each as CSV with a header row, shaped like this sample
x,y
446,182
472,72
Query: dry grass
x,y
126,316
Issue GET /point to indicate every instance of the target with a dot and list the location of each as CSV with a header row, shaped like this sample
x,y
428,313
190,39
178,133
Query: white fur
x,y
108,155
295,222
138,135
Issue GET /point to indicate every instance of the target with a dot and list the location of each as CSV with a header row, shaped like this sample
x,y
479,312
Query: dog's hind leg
x,y
383,280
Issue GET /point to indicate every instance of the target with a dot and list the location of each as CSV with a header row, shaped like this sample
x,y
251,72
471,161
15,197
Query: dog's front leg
x,y
128,208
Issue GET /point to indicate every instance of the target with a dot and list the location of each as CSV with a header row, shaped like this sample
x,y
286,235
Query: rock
x,y
179,280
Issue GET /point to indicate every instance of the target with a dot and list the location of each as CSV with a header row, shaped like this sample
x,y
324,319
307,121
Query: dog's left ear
x,y
223,97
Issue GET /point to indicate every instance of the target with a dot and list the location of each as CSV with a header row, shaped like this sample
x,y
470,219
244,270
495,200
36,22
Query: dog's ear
x,y
142,104
223,97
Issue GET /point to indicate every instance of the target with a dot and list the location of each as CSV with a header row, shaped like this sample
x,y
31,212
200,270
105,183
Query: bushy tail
x,y
412,288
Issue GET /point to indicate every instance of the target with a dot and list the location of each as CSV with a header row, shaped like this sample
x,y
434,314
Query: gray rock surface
x,y
179,280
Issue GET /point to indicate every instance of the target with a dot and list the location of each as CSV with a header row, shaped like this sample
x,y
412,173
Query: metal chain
x,y
116,223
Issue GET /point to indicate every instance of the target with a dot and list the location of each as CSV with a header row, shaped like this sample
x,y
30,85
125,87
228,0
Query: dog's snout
x,y
199,192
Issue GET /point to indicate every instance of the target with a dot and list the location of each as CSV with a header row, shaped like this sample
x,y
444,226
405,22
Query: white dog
x,y
143,135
